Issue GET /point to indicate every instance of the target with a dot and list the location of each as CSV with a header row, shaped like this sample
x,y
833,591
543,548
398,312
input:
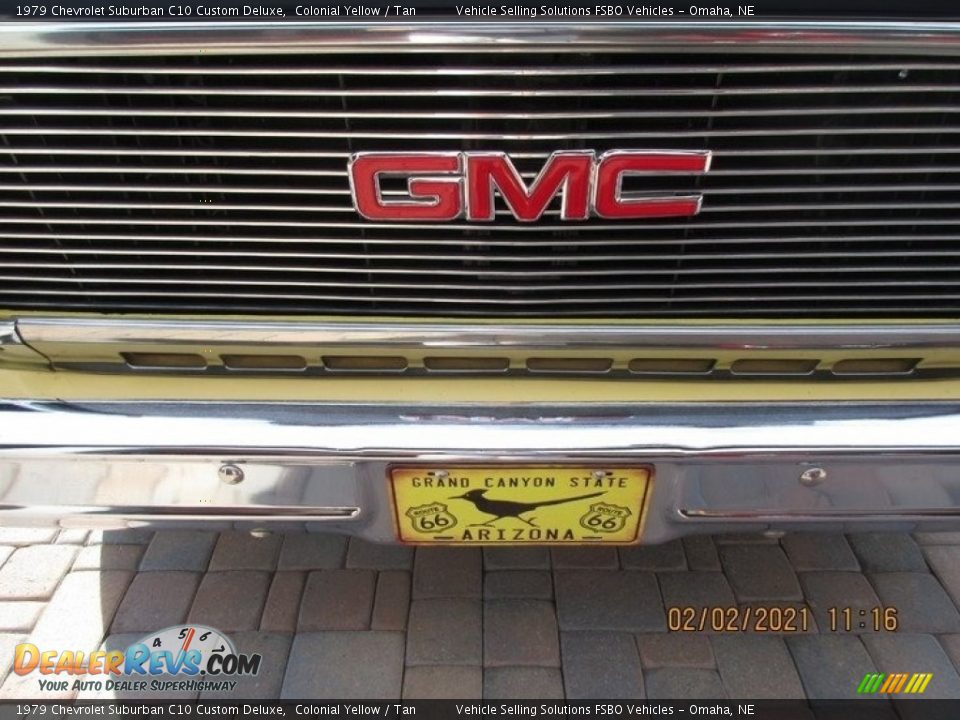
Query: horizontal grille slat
x,y
493,228
484,116
133,67
380,92
484,274
218,183
259,153
342,191
342,174
500,137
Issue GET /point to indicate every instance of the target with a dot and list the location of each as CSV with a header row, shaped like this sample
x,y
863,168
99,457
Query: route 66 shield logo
x,y
605,518
431,518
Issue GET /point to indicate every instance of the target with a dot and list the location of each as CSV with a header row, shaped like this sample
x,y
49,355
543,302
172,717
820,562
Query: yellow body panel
x,y
36,385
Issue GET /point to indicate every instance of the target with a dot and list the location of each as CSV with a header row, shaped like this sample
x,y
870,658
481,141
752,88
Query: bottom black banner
x,y
447,709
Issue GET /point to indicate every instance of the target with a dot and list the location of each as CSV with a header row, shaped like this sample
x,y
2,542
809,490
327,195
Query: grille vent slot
x,y
619,367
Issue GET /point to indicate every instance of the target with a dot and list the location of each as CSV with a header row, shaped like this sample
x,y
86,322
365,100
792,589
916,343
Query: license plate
x,y
492,505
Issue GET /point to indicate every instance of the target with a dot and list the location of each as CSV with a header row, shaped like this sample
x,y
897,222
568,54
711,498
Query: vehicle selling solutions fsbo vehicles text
x,y
605,11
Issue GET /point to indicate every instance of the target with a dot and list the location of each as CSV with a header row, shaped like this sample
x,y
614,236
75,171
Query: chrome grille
x,y
218,184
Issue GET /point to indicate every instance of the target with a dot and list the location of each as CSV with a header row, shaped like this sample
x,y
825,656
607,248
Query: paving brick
x,y
668,556
756,666
337,600
443,682
377,556
757,538
588,558
8,645
243,551
696,589
447,572
760,572
5,552
312,551
536,584
265,685
945,561
601,665
888,552
923,604
520,632
684,684
156,600
26,687
230,601
701,553
445,631
825,590
830,666
126,536
937,538
282,606
903,652
391,605
522,683
108,557
34,572
71,536
819,551
345,665
609,600
179,550
19,615
675,650
80,612
951,645
27,536
516,558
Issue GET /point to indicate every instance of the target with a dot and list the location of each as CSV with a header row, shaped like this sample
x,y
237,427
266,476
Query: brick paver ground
x,y
340,618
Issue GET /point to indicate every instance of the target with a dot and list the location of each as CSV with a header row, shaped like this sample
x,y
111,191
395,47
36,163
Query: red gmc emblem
x,y
451,185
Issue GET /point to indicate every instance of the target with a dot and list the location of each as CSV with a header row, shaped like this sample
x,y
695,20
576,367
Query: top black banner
x,y
643,11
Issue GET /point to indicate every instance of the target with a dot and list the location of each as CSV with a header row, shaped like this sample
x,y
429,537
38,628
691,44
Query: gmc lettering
x,y
448,186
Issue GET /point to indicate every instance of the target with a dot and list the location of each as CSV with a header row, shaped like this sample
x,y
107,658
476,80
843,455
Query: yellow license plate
x,y
542,504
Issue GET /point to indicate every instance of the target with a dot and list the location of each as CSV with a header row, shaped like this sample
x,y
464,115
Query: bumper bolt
x,y
811,477
230,474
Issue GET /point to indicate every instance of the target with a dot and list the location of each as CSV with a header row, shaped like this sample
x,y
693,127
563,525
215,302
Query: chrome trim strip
x,y
82,332
13,350
717,466
444,433
148,38
128,514
473,71
913,514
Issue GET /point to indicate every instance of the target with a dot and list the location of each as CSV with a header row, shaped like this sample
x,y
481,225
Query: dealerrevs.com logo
x,y
444,186
178,658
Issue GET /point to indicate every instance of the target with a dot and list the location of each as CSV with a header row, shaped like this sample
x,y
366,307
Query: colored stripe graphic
x,y
894,683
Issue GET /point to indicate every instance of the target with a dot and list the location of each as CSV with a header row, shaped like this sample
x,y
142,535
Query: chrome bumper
x,y
717,467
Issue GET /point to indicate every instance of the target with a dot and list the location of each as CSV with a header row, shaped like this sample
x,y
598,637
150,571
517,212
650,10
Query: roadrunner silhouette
x,y
510,508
